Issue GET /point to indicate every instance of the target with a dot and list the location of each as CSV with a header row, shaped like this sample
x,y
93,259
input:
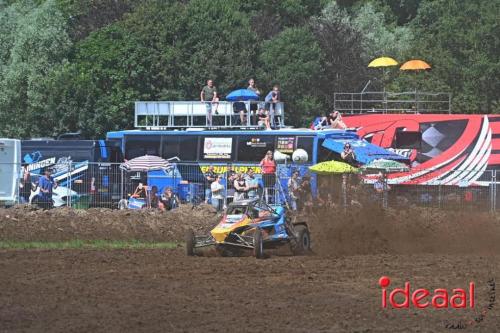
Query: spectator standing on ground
x,y
240,186
268,166
252,184
253,87
382,189
217,193
209,95
210,177
272,98
293,190
46,184
230,177
381,185
305,195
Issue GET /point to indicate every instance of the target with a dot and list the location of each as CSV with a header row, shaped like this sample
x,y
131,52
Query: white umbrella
x,y
145,163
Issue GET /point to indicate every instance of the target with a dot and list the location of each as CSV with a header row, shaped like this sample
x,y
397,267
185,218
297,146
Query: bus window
x,y
140,145
188,148
325,154
252,148
182,146
170,146
306,143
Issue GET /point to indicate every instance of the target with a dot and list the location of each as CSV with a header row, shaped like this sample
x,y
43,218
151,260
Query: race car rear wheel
x,y
190,242
302,243
258,244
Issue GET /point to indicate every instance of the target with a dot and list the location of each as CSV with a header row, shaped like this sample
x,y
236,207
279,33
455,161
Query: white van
x,y
10,170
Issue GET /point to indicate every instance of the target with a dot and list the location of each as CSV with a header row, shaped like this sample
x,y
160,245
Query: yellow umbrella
x,y
383,62
415,65
332,167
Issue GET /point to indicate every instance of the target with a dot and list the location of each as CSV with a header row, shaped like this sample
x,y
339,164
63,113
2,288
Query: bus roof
x,y
197,131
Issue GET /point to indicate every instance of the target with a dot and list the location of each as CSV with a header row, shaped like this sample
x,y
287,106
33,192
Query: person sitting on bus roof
x,y
335,120
241,109
263,119
322,123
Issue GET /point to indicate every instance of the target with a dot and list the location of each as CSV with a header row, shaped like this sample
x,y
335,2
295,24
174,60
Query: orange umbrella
x,y
415,65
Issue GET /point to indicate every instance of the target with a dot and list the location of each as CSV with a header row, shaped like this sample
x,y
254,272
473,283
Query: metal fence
x,y
85,185
391,102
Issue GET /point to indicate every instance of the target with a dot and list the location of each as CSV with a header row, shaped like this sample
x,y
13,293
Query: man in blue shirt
x,y
46,184
272,98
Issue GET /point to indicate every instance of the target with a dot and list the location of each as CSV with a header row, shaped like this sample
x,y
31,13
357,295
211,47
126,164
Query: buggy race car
x,y
253,225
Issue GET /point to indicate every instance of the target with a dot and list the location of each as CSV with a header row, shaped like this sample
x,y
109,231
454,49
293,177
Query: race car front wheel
x,y
258,246
190,242
302,243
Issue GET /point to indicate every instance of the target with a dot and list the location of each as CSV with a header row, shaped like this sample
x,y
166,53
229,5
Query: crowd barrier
x,y
86,185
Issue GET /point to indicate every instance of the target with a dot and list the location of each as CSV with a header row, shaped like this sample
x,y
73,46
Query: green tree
x,y
461,40
39,44
293,59
343,67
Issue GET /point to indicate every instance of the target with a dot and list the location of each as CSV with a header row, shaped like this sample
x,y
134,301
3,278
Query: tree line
x,y
78,65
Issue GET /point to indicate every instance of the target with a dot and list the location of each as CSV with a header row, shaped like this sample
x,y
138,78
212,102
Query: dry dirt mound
x,y
413,230
361,231
27,223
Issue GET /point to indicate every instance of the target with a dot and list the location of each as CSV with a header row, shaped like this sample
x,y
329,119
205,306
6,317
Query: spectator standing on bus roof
x,y
210,177
209,95
46,184
253,105
293,189
272,98
240,187
217,193
230,177
268,166
252,184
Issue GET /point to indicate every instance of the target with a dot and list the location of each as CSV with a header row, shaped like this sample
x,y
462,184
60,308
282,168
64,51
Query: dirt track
x,y
163,291
335,290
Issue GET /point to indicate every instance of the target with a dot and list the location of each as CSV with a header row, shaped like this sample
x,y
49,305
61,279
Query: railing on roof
x,y
187,114
390,102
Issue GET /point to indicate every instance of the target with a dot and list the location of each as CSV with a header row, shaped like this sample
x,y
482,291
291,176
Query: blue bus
x,y
241,148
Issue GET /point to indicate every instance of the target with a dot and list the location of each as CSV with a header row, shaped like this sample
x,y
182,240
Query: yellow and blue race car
x,y
253,225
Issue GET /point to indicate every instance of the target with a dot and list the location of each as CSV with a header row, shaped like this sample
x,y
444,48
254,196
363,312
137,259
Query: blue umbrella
x,y
242,95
